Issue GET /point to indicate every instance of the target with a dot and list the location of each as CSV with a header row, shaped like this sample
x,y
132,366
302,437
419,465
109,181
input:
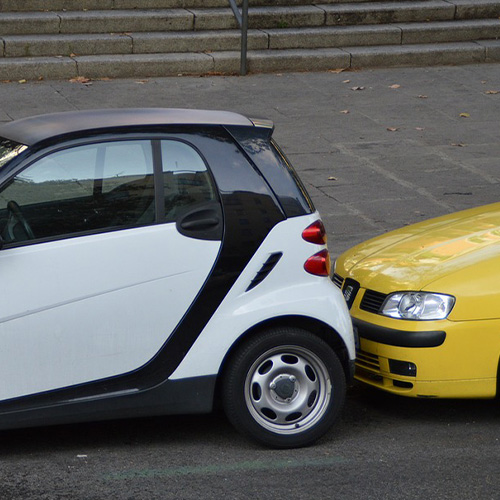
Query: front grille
x,y
372,301
367,360
337,280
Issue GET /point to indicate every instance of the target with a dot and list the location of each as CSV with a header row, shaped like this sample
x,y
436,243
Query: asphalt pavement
x,y
377,150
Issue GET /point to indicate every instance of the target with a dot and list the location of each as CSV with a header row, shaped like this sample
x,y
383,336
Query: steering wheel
x,y
16,217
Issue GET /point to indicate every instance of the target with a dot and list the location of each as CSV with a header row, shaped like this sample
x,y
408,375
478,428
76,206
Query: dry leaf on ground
x,y
80,79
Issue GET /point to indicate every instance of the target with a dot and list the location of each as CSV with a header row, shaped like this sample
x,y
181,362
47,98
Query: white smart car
x,y
155,260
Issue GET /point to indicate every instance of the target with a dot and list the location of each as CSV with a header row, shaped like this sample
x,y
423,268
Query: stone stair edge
x,y
87,5
26,6
265,17
212,40
158,65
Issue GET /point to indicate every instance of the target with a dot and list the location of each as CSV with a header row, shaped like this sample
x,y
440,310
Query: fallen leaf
x,y
332,178
72,55
345,111
337,71
422,96
419,128
464,115
395,86
458,144
392,129
484,81
491,92
357,88
22,81
346,81
80,79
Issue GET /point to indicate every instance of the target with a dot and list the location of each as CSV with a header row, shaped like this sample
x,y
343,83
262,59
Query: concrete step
x,y
143,20
227,62
79,5
229,40
106,21
387,34
138,43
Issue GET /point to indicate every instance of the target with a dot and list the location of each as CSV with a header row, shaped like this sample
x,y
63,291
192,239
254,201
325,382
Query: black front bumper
x,y
398,338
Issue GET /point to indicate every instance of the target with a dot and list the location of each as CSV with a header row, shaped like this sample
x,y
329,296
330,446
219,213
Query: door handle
x,y
199,224
202,222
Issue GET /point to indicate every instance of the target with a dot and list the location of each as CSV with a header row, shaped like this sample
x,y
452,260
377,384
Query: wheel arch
x,y
313,325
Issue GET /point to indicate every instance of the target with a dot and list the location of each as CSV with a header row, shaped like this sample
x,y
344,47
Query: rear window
x,y
300,195
277,170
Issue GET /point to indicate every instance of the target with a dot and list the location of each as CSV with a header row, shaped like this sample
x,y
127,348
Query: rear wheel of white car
x,y
284,387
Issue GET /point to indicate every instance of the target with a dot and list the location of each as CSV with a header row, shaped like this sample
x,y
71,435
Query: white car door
x,y
94,275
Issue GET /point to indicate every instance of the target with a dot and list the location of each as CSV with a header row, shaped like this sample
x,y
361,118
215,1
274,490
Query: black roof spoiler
x,y
263,123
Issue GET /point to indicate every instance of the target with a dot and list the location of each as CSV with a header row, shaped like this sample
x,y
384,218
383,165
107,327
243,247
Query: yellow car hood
x,y
456,254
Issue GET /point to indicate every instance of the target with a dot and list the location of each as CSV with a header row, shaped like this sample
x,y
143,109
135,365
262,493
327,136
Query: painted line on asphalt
x,y
254,465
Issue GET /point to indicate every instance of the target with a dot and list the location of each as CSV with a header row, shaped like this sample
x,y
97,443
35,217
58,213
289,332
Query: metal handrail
x,y
242,18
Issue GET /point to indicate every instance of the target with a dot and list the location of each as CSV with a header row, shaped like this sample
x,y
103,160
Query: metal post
x,y
244,38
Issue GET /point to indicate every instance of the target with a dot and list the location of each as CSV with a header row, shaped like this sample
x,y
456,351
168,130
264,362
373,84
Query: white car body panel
x,y
70,314
287,290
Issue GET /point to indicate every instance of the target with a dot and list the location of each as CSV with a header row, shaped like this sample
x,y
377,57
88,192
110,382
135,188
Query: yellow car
x,y
425,300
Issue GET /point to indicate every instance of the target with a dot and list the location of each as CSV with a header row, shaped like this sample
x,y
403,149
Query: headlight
x,y
418,305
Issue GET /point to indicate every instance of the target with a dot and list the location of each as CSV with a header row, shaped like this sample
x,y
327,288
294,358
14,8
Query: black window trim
x,y
158,184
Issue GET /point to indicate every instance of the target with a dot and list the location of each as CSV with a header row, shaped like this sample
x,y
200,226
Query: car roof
x,y
35,129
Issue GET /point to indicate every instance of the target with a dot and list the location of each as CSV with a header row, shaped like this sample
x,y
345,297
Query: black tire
x,y
284,387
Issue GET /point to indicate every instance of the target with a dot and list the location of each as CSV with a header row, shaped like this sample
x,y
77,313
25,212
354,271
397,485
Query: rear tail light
x,y
319,264
315,233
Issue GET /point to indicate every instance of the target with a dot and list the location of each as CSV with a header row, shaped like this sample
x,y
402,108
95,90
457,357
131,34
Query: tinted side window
x,y
80,189
186,180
